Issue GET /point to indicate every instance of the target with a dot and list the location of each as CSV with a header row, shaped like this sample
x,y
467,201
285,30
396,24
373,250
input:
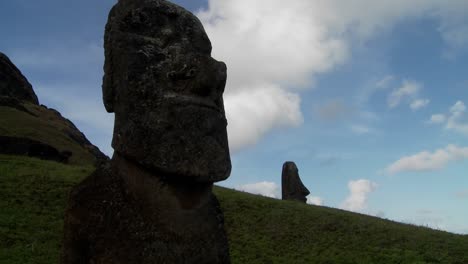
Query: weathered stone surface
x,y
32,148
12,82
292,186
153,202
166,90
13,103
126,214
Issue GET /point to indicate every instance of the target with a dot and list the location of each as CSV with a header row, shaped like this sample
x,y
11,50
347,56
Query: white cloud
x,y
268,189
427,161
454,27
419,103
361,129
253,113
266,60
458,107
437,119
408,89
314,200
383,83
276,46
457,120
359,191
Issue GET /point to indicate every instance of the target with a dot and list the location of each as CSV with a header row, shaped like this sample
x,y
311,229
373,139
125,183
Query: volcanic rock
x,y
35,130
13,84
32,148
153,202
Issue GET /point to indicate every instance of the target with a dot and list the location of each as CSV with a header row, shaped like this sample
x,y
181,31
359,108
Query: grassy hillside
x,y
261,230
46,126
265,230
32,199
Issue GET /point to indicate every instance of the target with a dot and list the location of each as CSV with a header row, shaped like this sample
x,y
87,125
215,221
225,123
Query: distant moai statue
x,y
153,202
291,184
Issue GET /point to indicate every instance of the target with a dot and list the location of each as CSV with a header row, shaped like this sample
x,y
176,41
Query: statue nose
x,y
222,73
211,80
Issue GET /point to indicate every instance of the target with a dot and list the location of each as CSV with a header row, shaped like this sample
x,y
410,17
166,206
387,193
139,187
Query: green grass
x,y
45,127
260,230
265,230
32,199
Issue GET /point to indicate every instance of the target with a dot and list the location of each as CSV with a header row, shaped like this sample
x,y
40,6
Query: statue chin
x,y
185,141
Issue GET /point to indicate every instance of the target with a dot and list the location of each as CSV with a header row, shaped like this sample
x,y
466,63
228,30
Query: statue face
x,y
292,183
166,91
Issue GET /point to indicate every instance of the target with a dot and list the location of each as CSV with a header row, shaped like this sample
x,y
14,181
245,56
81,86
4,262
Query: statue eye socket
x,y
192,72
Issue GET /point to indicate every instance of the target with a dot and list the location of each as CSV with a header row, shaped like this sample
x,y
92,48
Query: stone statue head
x,y
292,186
166,91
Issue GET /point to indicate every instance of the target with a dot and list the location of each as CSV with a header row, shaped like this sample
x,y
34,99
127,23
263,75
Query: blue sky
x,y
369,99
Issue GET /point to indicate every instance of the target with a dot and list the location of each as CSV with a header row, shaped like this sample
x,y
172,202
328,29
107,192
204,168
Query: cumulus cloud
x,y
428,161
408,89
276,47
253,113
457,120
266,61
437,119
268,189
359,191
419,103
314,200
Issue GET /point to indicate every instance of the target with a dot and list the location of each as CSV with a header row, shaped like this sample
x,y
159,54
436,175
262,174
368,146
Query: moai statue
x,y
291,184
153,202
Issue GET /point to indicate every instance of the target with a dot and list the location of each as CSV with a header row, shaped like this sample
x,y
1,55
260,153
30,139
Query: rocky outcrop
x,y
153,202
75,135
17,93
13,84
32,148
292,186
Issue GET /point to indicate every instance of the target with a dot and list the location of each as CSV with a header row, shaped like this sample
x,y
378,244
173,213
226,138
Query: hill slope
x,y
35,130
261,230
